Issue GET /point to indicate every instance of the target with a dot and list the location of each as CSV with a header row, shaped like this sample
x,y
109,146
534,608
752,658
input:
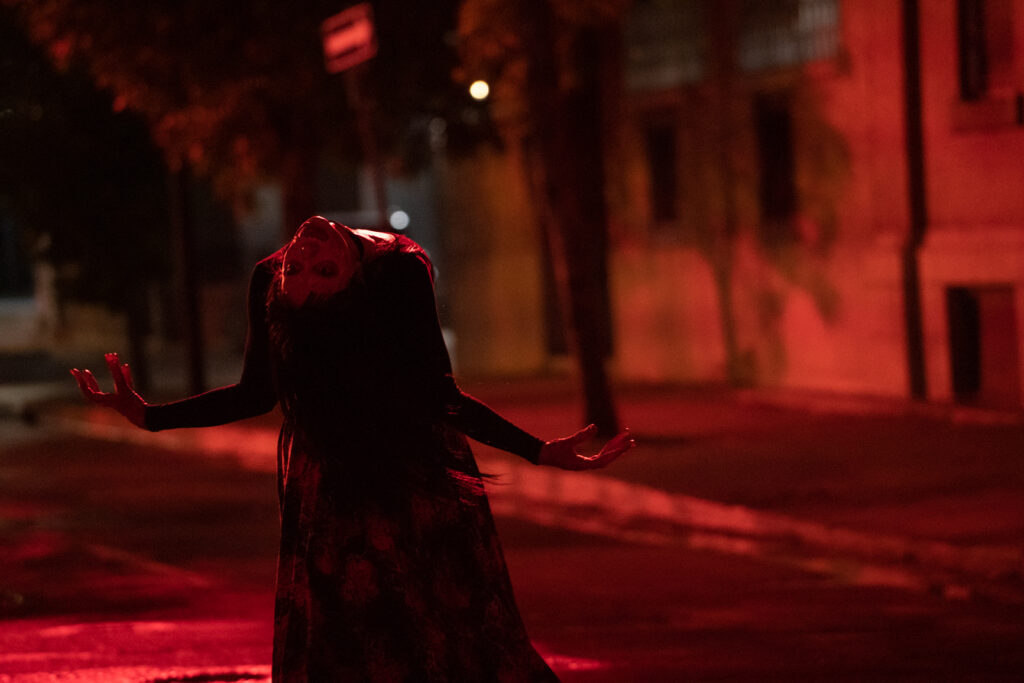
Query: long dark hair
x,y
336,379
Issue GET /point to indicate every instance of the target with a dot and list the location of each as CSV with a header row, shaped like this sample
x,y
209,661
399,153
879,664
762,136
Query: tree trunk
x,y
188,286
566,138
136,309
724,24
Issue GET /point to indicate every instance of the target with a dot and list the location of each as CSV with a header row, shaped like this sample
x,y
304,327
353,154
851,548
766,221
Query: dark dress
x,y
390,568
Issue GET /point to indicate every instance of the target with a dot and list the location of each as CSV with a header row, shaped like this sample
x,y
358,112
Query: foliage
x,y
85,183
494,45
239,90
547,60
214,91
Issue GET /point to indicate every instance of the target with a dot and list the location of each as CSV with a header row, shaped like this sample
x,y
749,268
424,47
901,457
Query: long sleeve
x,y
408,297
252,395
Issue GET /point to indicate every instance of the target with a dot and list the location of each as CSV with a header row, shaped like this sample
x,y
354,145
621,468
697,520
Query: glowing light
x,y
479,90
399,220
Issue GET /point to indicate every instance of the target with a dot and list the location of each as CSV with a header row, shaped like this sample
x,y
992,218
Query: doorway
x,y
984,346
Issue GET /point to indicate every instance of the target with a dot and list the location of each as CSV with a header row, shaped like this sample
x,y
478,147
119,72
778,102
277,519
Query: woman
x,y
389,566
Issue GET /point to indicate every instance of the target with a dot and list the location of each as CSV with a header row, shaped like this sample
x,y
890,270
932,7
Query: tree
x,y
225,88
547,59
82,179
238,92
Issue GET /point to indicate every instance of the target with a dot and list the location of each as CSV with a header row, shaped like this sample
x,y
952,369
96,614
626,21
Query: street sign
x,y
348,38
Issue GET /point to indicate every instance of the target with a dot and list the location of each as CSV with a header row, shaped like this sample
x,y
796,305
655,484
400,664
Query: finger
x,y
623,441
620,444
114,364
90,381
89,388
604,458
585,434
80,380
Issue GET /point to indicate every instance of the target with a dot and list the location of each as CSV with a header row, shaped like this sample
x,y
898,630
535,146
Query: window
x,y
983,344
971,36
780,33
773,125
985,44
664,44
662,165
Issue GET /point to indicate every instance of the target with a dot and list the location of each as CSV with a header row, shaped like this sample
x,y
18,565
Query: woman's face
x,y
318,262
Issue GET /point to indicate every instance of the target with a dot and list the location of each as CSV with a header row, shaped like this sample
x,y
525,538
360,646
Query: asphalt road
x,y
125,562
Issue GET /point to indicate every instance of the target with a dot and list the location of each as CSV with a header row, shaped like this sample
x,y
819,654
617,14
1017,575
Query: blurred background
x,y
782,240
798,193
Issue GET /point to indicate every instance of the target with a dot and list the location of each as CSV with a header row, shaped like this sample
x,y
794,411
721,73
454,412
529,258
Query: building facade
x,y
765,204
762,184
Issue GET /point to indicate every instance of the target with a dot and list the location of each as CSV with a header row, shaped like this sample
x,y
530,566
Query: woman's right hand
x,y
124,399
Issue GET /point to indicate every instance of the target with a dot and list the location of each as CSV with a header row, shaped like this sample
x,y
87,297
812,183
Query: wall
x,y
493,272
975,177
824,312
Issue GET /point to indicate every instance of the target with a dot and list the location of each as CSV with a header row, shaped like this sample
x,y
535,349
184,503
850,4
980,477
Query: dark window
x,y
777,191
964,342
665,44
661,157
985,46
781,33
984,345
973,62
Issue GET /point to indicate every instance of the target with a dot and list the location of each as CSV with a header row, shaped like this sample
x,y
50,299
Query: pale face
x,y
318,262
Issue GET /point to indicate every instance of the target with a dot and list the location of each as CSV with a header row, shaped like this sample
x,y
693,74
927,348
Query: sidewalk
x,y
882,492
888,492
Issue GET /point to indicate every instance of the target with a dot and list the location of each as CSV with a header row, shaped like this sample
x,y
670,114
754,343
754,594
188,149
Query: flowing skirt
x,y
412,588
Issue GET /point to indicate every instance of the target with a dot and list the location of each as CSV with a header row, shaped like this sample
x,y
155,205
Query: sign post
x,y
349,40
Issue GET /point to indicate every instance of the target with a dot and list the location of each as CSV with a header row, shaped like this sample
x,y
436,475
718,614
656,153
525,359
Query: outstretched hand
x,y
564,453
124,399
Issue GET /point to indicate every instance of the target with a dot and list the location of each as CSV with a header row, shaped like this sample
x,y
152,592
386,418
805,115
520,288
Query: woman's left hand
x,y
124,399
564,453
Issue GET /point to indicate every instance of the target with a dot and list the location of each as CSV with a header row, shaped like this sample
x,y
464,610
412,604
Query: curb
x,y
828,403
603,505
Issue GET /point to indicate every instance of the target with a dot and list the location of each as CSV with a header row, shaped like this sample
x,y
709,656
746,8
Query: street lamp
x,y
479,90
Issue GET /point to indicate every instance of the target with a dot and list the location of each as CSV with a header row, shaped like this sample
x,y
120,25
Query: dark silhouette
x,y
389,564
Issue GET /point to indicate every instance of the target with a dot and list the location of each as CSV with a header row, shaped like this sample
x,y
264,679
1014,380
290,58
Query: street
x,y
134,561
777,246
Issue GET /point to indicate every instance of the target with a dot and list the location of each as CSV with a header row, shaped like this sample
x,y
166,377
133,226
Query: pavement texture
x,y
877,509
932,495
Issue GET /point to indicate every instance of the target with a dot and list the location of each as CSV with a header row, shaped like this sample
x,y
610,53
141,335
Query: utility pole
x,y
916,195
364,120
349,40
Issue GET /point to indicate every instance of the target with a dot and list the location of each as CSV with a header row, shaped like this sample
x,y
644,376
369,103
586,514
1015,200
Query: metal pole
x,y
918,214
363,108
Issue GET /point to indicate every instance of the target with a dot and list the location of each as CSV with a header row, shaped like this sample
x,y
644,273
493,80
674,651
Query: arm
x,y
409,297
252,395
